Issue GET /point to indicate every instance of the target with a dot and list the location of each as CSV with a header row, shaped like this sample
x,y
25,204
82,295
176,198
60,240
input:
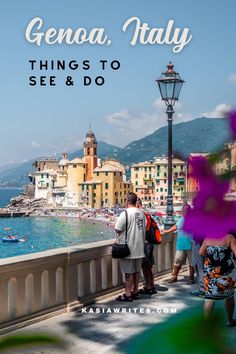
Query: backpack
x,y
153,234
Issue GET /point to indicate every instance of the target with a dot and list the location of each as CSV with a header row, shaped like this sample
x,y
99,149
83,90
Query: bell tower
x,y
90,153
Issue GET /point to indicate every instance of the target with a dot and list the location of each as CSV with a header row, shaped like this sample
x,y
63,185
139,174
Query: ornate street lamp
x,y
170,84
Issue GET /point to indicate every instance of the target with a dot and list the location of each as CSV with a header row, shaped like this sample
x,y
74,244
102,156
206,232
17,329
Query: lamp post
x,y
170,84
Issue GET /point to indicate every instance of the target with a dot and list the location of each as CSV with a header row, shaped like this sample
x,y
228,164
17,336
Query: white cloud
x,y
232,78
35,145
119,117
219,111
132,126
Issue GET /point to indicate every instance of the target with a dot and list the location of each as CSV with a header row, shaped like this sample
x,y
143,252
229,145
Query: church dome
x,y
90,137
64,160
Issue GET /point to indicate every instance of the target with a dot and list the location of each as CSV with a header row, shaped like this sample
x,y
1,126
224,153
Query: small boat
x,y
10,239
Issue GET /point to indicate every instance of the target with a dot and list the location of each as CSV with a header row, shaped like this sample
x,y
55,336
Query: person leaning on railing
x,y
183,248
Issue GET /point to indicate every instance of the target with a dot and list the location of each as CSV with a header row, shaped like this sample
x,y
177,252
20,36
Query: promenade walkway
x,y
103,333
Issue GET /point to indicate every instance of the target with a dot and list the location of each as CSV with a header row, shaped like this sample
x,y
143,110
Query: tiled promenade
x,y
110,333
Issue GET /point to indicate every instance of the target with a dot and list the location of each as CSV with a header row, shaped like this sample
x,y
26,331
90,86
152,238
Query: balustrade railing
x,y
41,284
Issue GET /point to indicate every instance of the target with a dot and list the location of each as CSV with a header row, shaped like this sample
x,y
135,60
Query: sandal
x,y
154,290
172,280
232,324
135,296
146,291
124,298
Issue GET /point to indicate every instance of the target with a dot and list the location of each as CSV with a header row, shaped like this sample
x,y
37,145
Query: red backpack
x,y
153,234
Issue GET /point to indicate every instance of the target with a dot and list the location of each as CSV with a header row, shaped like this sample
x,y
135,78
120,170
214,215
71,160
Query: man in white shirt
x,y
136,231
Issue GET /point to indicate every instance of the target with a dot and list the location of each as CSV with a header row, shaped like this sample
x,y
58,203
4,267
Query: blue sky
x,y
39,121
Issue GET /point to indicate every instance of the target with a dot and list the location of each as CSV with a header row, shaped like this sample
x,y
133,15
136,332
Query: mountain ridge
x,y
198,135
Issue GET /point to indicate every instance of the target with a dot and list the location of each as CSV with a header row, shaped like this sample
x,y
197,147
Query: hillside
x,y
17,176
198,135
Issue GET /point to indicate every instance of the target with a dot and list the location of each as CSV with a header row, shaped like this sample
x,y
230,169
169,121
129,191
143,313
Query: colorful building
x,y
226,163
84,182
150,181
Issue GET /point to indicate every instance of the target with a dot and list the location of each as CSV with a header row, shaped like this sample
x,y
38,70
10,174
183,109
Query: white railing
x,y
42,284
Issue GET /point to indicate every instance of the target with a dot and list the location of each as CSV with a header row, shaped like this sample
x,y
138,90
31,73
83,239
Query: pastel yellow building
x,y
107,188
150,181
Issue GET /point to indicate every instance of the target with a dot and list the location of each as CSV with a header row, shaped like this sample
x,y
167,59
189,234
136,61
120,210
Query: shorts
x,y
148,260
181,256
130,265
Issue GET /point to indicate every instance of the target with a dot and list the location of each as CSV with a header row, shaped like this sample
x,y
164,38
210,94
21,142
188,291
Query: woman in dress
x,y
219,274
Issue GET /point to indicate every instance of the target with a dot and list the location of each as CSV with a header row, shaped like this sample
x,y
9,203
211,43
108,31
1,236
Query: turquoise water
x,y
44,233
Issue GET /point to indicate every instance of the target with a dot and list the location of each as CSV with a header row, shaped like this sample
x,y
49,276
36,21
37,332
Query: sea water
x,y
44,233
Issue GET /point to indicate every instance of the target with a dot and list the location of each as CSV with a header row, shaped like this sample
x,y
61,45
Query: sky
x,y
44,120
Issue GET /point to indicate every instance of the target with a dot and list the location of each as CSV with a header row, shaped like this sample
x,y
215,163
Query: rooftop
x,y
108,168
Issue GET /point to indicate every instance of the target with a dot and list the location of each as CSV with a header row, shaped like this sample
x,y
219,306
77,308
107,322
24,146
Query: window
x,y
158,167
136,189
82,187
145,169
158,174
150,176
88,151
136,183
94,194
150,168
157,190
47,185
84,177
74,166
120,173
164,180
106,173
136,176
97,173
95,186
161,189
145,175
106,186
95,151
42,176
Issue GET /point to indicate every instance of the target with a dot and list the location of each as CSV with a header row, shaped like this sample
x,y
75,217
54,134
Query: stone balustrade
x,y
39,285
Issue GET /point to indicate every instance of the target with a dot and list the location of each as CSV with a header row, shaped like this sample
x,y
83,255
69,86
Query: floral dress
x,y
219,272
